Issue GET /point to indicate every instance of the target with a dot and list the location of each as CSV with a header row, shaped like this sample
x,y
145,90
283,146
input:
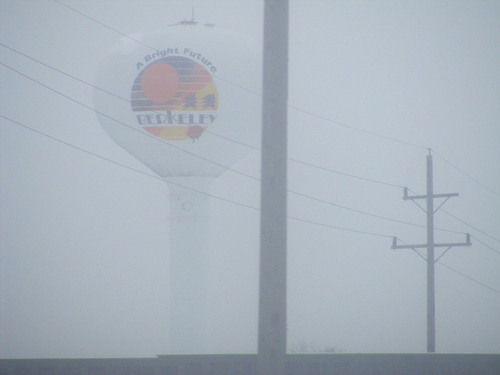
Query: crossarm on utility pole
x,y
395,245
407,197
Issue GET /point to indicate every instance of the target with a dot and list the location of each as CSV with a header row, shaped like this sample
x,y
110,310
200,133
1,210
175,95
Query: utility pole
x,y
271,355
430,246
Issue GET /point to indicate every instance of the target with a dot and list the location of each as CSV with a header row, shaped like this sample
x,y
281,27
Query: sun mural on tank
x,y
175,98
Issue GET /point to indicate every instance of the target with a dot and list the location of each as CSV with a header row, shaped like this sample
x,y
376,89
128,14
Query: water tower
x,y
184,91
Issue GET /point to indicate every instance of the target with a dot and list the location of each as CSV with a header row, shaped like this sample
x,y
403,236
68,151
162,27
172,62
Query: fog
x,y
84,259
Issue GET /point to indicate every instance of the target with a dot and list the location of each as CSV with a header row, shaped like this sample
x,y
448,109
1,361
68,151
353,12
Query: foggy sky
x,y
372,84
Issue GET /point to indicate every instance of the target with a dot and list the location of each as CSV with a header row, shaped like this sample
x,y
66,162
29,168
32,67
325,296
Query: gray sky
x,y
84,243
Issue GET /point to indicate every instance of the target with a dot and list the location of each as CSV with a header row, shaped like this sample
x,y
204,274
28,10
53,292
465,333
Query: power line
x,y
126,125
354,210
486,245
193,154
238,142
207,131
345,174
351,230
470,225
396,140
311,164
242,143
453,270
62,72
462,221
340,228
324,119
102,23
298,219
253,92
79,148
467,175
142,43
122,165
312,114
468,277
295,108
205,159
186,187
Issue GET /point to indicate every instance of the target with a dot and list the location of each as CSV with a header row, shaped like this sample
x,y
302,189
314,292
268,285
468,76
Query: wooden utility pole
x,y
271,355
430,246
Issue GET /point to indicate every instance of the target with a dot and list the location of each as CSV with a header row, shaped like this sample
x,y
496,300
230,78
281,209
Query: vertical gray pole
x,y
431,312
272,289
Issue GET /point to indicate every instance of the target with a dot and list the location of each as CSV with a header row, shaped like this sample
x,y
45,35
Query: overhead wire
x,y
123,165
467,175
452,269
184,186
141,42
468,277
241,143
231,201
342,228
295,108
457,218
359,211
100,23
61,71
289,190
208,160
367,179
378,135
290,106
486,245
471,226
203,158
207,131
251,91
244,144
79,148
126,125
